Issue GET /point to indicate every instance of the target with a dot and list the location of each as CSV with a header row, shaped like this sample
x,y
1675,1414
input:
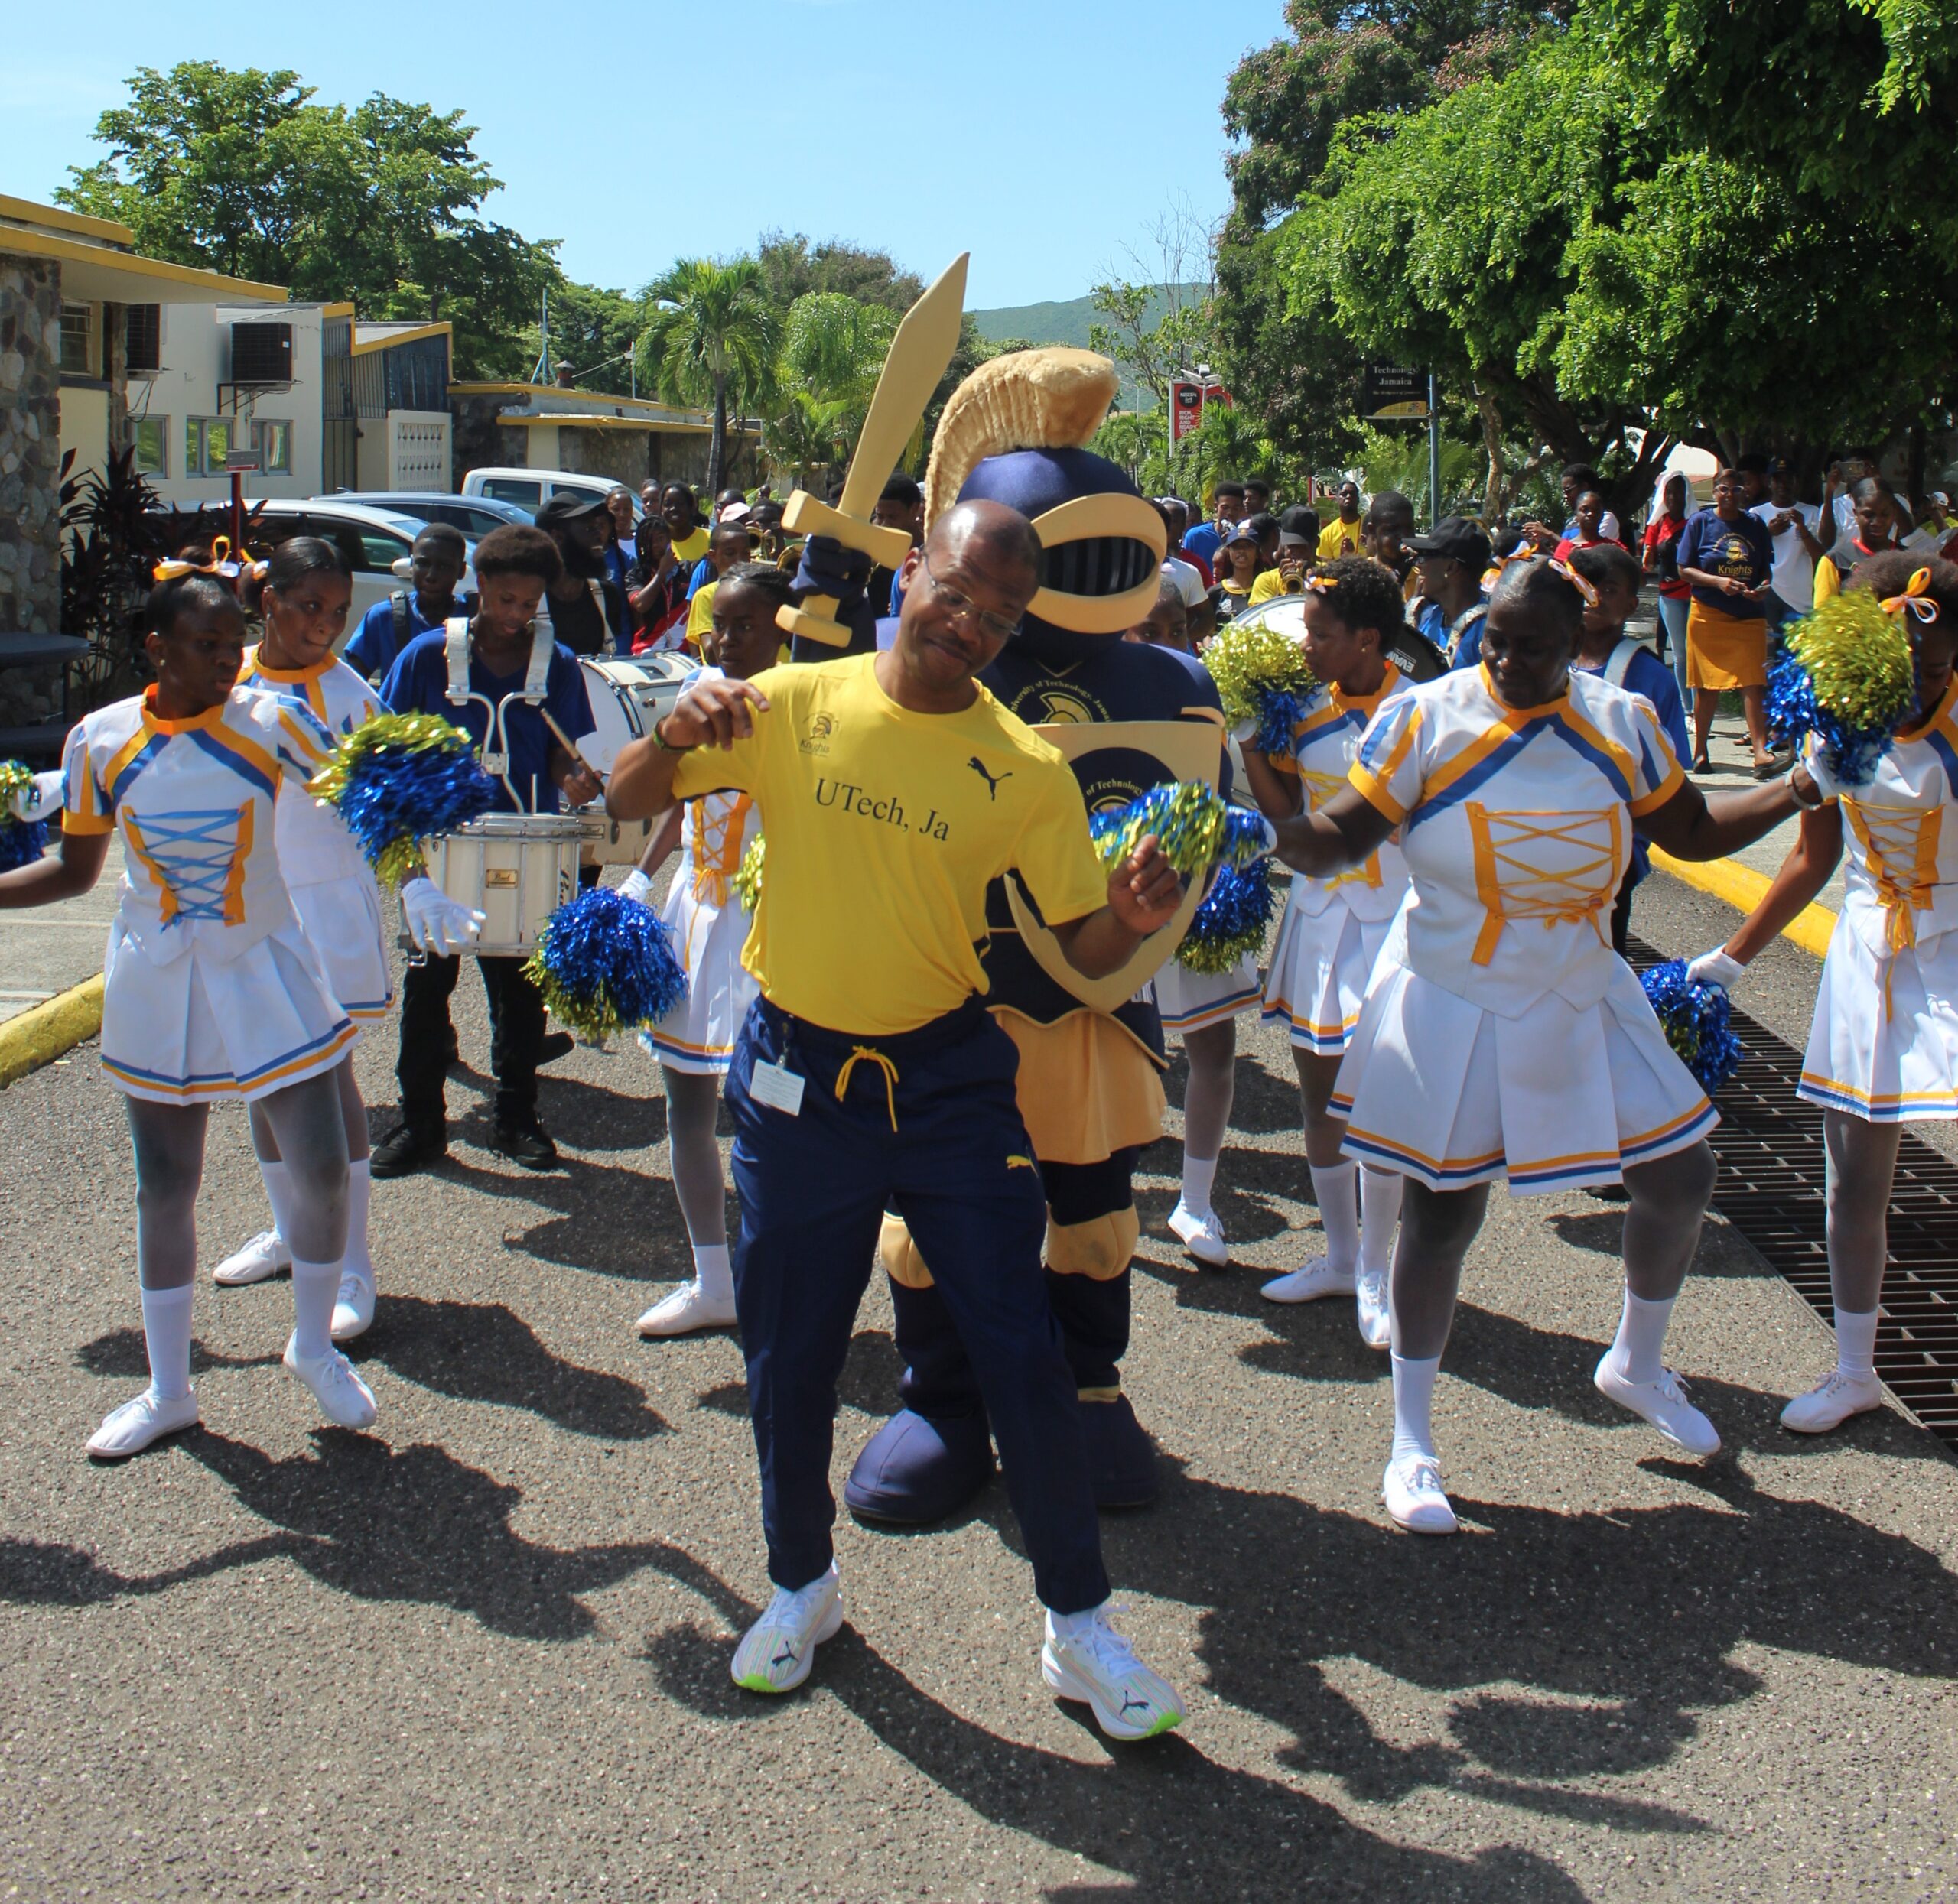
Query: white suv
x,y
531,489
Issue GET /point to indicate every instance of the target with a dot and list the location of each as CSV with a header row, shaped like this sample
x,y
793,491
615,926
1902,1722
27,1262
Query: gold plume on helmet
x,y
1054,398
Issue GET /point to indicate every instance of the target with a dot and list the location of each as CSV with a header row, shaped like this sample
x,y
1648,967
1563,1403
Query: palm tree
x,y
833,348
806,433
713,338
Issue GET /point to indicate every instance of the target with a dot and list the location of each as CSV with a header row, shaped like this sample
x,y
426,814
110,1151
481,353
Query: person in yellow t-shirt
x,y
869,1075
1298,541
683,518
728,547
1341,536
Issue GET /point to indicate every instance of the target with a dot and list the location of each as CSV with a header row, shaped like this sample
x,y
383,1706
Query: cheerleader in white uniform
x,y
307,587
1883,1051
694,1042
1334,927
1502,1037
210,990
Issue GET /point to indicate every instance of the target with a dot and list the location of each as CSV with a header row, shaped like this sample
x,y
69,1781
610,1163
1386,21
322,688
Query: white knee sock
x,y
1639,1350
1414,1406
315,1288
1380,1212
1855,1343
360,1197
1199,1173
1339,1211
167,1337
278,1194
712,1271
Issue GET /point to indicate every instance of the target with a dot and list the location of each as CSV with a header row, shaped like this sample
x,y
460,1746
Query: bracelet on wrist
x,y
660,741
1795,791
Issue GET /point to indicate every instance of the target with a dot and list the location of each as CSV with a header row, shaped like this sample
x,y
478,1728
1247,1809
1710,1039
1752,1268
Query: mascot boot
x,y
1128,717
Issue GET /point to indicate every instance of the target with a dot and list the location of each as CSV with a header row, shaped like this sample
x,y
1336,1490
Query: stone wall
x,y
30,448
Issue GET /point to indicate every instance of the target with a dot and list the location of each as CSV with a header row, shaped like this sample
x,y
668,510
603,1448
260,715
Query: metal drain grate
x,y
1769,1143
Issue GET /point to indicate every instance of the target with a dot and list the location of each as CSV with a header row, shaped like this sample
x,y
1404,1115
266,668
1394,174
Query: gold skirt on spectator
x,y
1725,650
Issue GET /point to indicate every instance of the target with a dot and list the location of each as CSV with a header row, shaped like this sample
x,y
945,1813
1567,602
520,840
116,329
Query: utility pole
x,y
1434,451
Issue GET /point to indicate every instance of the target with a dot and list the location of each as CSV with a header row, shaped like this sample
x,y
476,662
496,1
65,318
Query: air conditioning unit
x,y
143,339
261,353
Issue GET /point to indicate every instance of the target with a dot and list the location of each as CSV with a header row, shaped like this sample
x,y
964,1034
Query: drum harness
x,y
496,749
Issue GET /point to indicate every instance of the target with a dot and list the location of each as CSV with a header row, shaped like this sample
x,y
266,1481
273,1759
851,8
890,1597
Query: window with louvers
x,y
261,353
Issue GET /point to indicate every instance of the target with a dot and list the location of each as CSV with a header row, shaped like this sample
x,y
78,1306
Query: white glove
x,y
436,923
1715,968
1270,834
636,885
37,802
1245,731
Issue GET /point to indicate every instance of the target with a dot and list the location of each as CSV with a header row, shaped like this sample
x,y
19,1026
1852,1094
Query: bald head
x,y
999,542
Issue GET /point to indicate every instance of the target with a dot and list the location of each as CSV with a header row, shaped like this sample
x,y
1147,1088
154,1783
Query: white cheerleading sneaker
x,y
1376,1317
1308,1284
1411,1487
130,1428
685,1309
1200,1232
265,1255
353,1308
344,1400
1831,1402
776,1652
1663,1403
1095,1666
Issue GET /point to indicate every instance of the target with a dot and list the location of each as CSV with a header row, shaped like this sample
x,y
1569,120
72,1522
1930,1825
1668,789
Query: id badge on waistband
x,y
777,1087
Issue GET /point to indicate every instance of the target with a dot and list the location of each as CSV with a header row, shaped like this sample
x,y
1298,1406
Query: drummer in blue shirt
x,y
514,566
435,565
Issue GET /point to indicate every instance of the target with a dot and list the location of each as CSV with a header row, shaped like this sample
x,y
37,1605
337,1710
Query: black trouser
x,y
516,1034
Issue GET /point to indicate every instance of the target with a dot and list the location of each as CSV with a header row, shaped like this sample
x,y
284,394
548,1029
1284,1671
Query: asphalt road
x,y
481,1652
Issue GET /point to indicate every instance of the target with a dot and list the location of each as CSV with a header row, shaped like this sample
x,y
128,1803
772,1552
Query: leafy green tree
x,y
596,332
792,267
805,433
711,340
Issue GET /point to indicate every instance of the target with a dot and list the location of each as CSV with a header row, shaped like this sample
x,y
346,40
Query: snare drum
x,y
627,696
515,868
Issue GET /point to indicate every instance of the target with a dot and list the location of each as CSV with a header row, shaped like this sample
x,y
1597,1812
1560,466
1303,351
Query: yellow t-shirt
x,y
1270,583
884,829
690,548
700,613
1338,538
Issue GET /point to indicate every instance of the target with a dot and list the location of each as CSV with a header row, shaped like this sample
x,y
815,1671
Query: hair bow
x,y
1577,582
1916,598
1317,583
221,564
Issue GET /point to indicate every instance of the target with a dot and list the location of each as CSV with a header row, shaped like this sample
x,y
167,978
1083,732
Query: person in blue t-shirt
x,y
514,565
1451,560
435,564
1207,537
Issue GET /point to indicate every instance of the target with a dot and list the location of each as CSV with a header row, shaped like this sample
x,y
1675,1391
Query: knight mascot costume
x,y
1128,717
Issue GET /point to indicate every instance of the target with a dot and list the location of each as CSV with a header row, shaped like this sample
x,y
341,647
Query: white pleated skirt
x,y
341,921
697,1035
1192,1001
1317,980
1439,1090
201,1030
1884,1044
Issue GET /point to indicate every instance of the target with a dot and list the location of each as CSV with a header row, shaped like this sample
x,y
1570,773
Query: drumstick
x,y
569,745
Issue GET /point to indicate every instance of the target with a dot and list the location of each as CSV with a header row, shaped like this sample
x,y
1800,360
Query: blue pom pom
x,y
1277,715
1195,828
1231,921
605,962
22,842
399,778
1694,1018
1793,713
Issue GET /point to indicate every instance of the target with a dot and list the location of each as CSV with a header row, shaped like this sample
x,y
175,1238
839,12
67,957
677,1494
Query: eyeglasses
x,y
961,608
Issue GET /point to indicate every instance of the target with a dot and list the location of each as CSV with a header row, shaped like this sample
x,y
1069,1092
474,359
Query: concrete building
x,y
537,426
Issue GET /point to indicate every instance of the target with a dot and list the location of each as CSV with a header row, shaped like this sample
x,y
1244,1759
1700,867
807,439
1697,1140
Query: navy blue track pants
x,y
933,1132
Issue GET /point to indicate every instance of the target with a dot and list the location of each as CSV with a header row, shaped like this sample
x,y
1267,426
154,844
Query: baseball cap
x,y
1455,535
1297,528
568,505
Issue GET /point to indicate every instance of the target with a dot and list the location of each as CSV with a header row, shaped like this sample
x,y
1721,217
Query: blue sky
x,y
1046,138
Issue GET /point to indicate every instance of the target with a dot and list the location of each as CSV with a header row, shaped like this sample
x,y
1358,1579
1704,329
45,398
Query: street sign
x,y
1188,398
1391,394
244,460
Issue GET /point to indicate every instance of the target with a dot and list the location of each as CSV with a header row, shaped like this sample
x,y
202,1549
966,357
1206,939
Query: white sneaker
x,y
1201,1234
265,1255
1411,1487
1376,1317
353,1308
1095,1664
1663,1404
776,1652
344,1400
130,1428
685,1309
1831,1403
1315,1279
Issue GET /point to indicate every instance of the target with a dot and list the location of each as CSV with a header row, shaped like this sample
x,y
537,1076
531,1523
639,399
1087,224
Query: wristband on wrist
x,y
1795,791
660,741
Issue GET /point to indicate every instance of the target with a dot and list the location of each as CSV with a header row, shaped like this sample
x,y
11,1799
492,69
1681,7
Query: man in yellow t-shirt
x,y
869,1075
1341,535
1298,541
728,544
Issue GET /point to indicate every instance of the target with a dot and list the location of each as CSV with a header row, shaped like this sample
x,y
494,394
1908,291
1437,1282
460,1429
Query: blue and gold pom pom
x,y
1848,679
22,842
1195,828
1261,675
1231,922
399,779
606,963
1694,1017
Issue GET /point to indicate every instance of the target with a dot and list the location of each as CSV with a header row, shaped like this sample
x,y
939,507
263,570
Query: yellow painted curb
x,y
1742,887
34,1038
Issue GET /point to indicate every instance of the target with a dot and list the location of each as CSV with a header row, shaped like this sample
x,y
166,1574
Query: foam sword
x,y
919,353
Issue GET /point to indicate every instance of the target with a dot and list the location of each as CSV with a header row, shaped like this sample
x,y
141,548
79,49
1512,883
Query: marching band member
x,y
1334,927
210,990
1883,1051
695,1040
895,789
1502,1037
